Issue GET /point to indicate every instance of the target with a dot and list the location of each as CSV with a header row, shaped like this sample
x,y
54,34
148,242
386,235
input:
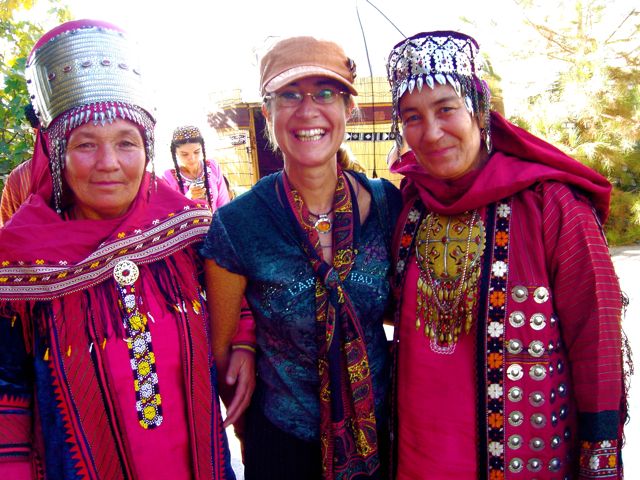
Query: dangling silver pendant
x,y
323,224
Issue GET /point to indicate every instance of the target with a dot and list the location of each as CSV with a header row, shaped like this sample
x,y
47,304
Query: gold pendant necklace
x,y
321,222
448,251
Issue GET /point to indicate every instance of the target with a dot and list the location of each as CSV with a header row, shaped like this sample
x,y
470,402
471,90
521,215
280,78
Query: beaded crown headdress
x,y
438,58
86,71
186,134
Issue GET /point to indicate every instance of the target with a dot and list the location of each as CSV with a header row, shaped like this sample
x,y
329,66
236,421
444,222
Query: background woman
x,y
105,366
309,248
509,354
192,175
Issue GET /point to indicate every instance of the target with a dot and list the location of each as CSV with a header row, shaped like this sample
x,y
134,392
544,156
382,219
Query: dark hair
x,y
30,115
174,146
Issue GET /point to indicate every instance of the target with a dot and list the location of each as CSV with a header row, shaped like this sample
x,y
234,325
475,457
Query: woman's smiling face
x,y
104,168
444,136
309,133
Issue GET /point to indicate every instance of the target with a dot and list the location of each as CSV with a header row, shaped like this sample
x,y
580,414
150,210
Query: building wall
x,y
234,157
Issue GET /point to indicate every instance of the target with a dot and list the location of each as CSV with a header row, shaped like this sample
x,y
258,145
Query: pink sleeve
x,y
217,182
169,177
587,298
246,334
223,193
588,302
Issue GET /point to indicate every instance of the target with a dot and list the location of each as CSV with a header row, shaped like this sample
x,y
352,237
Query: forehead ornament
x,y
437,58
186,133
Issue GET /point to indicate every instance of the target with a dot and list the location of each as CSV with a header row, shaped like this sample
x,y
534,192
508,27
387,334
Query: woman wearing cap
x,y
105,367
509,340
308,246
191,174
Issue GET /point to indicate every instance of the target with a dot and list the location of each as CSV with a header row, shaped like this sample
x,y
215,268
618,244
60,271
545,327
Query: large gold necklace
x,y
448,251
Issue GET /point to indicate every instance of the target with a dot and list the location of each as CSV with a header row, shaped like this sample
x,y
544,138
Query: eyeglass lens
x,y
324,96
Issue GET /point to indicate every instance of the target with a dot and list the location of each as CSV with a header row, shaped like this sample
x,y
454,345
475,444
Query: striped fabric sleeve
x,y
15,429
15,393
588,302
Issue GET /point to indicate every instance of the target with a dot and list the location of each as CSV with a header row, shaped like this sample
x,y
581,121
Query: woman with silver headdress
x,y
105,365
510,357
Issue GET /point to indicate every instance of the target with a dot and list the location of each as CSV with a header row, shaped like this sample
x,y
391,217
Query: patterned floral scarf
x,y
348,434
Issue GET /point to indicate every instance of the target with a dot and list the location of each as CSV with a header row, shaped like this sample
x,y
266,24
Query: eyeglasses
x,y
291,98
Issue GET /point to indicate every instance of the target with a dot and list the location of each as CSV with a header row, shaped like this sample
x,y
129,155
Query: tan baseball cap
x,y
300,57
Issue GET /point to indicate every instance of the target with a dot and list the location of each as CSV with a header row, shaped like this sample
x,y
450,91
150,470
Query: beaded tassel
x,y
143,362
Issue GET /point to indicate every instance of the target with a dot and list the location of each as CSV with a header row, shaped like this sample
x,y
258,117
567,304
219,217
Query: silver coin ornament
x,y
126,273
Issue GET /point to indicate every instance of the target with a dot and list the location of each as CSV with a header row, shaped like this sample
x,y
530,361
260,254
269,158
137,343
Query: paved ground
x,y
236,458
627,263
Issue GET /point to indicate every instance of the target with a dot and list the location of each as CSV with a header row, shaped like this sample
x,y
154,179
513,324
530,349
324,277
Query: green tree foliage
x,y
17,37
592,110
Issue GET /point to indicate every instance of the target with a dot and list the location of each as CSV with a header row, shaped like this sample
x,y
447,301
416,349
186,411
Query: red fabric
x,y
520,161
15,429
74,240
17,470
41,182
586,298
246,333
172,451
556,240
425,385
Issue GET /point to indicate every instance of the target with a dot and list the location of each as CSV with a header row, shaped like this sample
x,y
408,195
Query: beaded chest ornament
x,y
143,360
448,251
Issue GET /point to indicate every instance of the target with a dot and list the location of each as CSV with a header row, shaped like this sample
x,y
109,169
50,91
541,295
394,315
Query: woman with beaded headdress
x,y
509,345
105,364
309,246
192,174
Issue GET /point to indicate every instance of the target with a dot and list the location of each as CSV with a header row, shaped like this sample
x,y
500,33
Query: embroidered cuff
x,y
599,460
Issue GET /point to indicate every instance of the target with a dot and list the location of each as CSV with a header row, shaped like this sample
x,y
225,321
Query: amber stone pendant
x,y
323,224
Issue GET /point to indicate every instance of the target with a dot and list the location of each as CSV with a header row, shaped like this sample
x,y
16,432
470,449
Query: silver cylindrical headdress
x,y
86,65
438,58
86,71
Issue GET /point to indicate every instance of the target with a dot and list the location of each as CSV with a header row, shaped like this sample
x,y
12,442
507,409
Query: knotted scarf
x,y
348,434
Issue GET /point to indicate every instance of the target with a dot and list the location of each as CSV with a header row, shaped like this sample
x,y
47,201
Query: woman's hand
x,y
196,191
241,374
225,295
